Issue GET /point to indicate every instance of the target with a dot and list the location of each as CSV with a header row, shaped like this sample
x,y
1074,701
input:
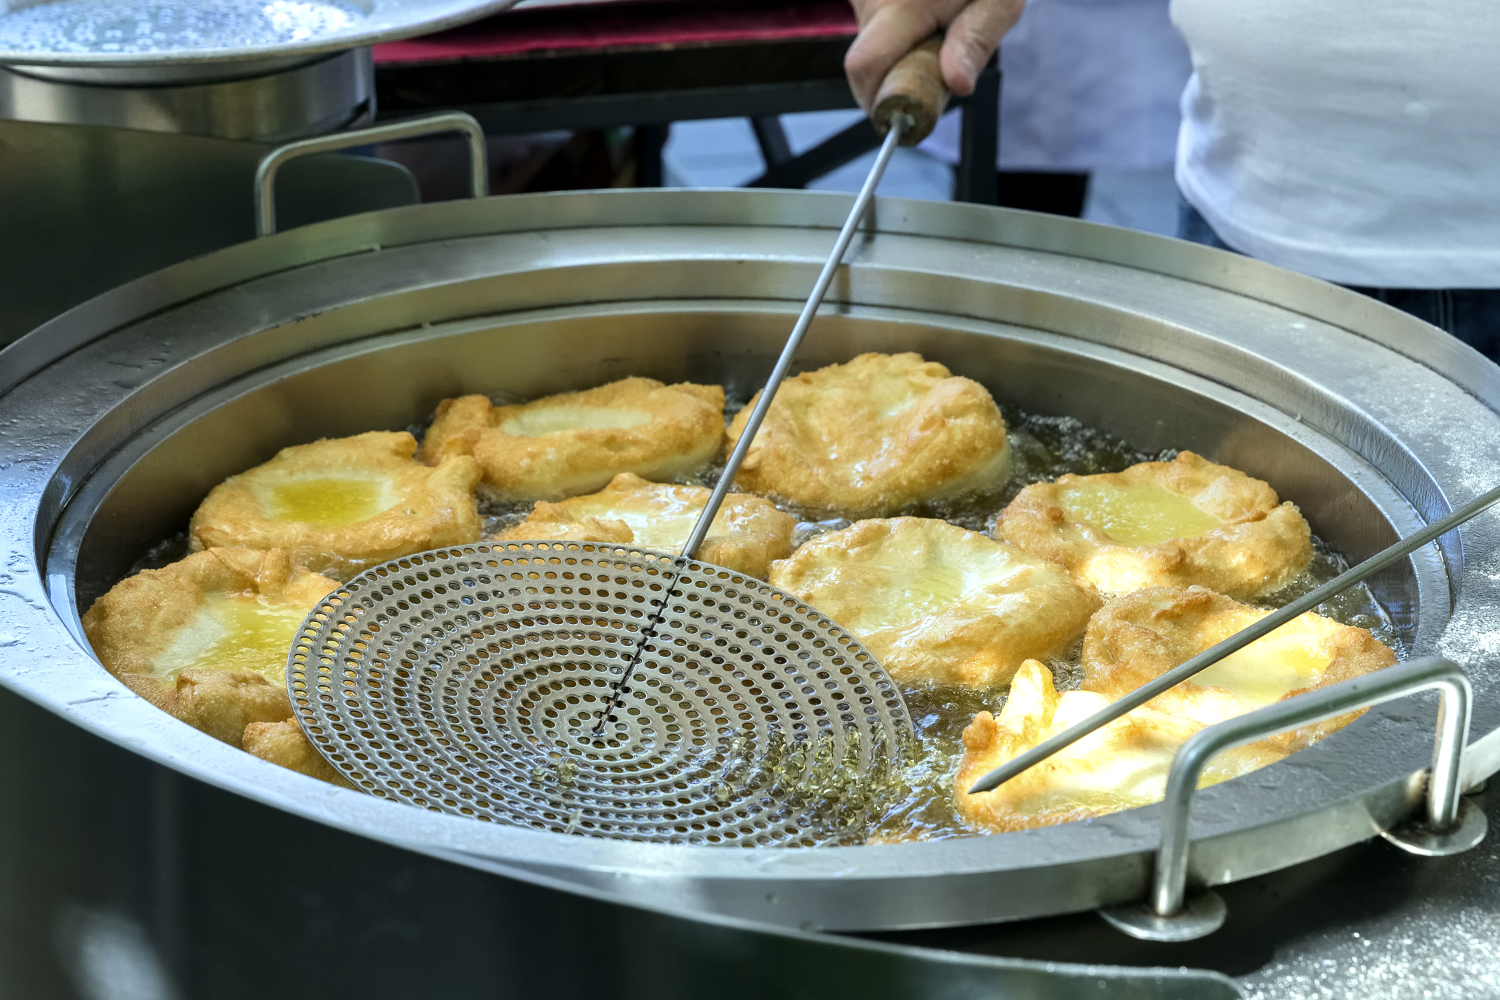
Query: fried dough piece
x,y
576,442
1121,766
342,505
1180,523
936,603
285,743
746,535
1138,637
206,638
869,437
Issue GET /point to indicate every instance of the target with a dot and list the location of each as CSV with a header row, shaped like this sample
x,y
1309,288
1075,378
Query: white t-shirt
x,y
1087,85
1354,140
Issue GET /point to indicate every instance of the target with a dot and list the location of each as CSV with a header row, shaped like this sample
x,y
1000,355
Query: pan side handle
x,y
1450,825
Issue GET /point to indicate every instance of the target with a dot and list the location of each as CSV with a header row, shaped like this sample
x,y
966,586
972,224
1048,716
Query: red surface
x,y
633,23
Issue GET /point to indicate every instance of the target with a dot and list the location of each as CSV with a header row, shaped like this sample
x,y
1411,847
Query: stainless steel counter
x,y
1368,921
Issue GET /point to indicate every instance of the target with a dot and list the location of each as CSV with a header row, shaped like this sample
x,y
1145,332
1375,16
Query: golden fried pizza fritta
x,y
874,435
206,639
576,442
746,535
342,505
1180,523
936,603
285,744
1138,637
1120,766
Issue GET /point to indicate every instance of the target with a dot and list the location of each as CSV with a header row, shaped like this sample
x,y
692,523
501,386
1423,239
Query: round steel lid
x,y
121,33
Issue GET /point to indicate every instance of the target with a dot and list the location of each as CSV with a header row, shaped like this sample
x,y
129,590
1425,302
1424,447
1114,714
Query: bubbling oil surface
x,y
1044,449
918,802
919,805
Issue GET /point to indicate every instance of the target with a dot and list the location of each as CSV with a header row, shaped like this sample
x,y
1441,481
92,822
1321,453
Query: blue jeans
x,y
1470,314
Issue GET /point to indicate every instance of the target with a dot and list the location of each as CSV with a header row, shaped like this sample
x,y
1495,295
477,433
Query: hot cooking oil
x,y
1044,448
910,796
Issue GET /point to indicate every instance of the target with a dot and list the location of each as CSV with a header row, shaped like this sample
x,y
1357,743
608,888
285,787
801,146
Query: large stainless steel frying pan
x,y
117,34
124,412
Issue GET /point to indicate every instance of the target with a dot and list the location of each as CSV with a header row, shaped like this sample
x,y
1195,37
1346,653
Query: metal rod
x,y
899,124
1236,642
1169,884
448,121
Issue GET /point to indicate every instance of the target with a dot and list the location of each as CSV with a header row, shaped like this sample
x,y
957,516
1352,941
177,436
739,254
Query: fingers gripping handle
x,y
914,88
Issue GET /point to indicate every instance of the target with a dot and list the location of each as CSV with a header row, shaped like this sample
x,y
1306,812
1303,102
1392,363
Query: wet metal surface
x,y
1368,922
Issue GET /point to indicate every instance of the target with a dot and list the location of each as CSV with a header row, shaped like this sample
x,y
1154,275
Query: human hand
x,y
888,29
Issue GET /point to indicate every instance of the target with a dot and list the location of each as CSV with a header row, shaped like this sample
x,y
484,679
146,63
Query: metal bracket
x,y
1449,826
1419,836
411,128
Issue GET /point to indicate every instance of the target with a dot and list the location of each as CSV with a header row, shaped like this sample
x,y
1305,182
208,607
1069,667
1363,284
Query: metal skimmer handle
x,y
1450,826
448,121
899,124
1239,640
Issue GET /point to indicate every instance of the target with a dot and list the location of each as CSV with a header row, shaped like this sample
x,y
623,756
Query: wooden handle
x,y
914,87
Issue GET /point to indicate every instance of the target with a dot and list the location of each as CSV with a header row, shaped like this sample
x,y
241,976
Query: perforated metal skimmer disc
x,y
469,681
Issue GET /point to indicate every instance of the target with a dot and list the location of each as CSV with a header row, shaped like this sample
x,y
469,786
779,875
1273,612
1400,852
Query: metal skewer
x,y
1238,641
907,106
900,123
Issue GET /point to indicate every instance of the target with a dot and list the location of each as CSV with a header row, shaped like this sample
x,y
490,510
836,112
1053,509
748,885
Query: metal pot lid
x,y
122,33
1410,418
